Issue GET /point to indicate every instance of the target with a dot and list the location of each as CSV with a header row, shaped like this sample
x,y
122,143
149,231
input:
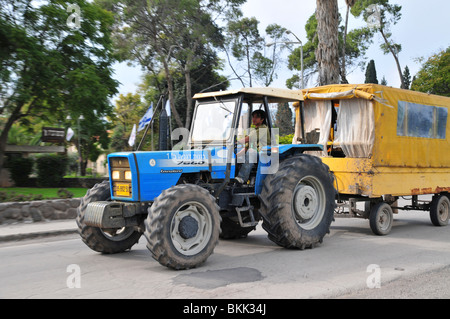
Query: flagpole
x,y
150,124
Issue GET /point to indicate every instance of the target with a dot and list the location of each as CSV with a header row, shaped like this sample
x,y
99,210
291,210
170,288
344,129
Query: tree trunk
x,y
171,95
187,75
327,53
16,114
399,69
344,45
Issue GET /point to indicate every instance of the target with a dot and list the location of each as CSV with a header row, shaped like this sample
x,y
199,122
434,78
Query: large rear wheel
x,y
183,226
298,202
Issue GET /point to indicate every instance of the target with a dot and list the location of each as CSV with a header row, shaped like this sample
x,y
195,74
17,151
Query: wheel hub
x,y
305,202
191,228
188,227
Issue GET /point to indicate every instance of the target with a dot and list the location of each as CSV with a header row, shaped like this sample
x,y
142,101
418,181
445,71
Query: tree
x,y
167,35
128,110
434,76
284,119
247,45
382,15
51,66
371,73
327,52
349,3
407,78
357,42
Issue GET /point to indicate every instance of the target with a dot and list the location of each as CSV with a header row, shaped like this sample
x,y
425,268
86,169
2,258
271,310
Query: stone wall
x,y
36,211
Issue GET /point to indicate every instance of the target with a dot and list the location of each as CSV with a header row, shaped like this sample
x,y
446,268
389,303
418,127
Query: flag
x,y
146,118
168,107
132,138
70,134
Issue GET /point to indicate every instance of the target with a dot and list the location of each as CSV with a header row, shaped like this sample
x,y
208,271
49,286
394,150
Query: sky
x,y
422,31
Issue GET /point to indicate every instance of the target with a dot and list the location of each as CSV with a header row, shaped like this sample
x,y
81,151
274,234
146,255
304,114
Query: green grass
x,y
45,192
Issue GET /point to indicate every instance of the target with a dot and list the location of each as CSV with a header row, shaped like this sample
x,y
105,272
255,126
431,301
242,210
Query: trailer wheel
x,y
381,219
106,241
183,226
440,210
298,202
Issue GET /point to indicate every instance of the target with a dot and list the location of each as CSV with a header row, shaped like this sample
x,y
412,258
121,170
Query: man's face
x,y
257,121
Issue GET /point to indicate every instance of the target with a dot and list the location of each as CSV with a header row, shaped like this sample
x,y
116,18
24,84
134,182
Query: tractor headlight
x,y
128,175
115,175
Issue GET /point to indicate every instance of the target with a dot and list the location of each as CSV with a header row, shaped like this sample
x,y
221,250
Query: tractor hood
x,y
153,172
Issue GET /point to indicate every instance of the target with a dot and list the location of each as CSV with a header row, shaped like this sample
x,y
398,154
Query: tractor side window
x,y
244,121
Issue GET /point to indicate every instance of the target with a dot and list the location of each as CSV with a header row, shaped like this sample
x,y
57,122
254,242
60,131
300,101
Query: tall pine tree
x,y
371,73
406,78
284,119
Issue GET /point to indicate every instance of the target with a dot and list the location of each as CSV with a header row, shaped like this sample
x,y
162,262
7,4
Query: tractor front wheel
x,y
106,241
183,226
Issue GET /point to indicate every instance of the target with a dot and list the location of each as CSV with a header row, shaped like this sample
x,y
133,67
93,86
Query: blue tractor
x,y
184,199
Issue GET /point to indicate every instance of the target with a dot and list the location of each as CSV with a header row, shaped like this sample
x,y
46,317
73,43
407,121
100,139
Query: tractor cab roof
x,y
256,95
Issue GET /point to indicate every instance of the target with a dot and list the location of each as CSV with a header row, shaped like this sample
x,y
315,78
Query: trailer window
x,y
417,120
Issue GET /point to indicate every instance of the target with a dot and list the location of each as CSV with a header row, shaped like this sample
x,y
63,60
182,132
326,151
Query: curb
x,y
24,231
44,234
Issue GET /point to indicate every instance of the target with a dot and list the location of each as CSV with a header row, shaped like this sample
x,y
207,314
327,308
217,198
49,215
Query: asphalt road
x,y
411,262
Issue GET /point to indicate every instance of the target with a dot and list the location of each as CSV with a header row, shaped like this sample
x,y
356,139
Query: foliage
x,y
169,36
407,78
356,45
286,139
284,119
248,47
371,73
382,16
434,76
64,193
14,197
50,170
50,68
20,169
15,194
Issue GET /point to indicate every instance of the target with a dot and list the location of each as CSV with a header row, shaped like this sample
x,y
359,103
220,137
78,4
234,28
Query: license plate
x,y
123,190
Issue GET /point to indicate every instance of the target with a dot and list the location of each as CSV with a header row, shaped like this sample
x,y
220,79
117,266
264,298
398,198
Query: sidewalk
x,y
21,231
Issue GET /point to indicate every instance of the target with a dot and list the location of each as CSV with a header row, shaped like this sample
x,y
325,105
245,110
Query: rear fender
x,y
270,158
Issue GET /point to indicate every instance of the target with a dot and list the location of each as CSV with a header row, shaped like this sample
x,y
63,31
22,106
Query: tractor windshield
x,y
213,121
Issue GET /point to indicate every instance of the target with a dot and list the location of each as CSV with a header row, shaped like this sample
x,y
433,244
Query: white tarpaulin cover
x,y
355,128
318,117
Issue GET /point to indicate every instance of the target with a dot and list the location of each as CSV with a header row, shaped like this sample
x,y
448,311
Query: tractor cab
x,y
223,120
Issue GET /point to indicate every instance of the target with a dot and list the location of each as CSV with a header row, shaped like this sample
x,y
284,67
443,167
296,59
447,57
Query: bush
x,y
20,168
51,170
287,139
64,193
14,197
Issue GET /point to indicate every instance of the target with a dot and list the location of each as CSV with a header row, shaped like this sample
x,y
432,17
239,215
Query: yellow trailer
x,y
381,143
